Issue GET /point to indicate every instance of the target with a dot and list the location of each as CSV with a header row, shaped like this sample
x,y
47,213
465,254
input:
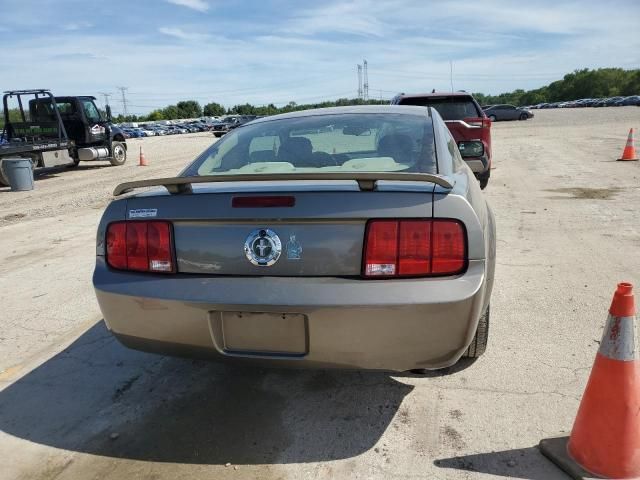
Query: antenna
x,y
365,91
124,99
451,74
360,81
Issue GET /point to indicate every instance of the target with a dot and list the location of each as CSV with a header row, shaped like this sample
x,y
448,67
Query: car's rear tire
x,y
479,343
118,154
483,178
492,118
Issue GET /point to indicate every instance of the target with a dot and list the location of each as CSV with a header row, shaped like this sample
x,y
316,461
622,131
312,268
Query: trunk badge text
x,y
263,247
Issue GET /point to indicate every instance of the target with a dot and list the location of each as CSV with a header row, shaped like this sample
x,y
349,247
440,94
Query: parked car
x,y
507,112
470,127
627,101
224,126
388,263
132,133
611,102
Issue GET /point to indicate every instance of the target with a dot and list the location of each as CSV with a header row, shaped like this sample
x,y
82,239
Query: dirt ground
x,y
74,404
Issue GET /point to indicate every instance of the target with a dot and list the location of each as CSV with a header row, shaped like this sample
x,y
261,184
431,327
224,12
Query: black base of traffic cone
x,y
555,449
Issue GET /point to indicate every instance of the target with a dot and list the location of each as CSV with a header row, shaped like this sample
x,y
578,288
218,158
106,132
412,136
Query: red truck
x,y
468,124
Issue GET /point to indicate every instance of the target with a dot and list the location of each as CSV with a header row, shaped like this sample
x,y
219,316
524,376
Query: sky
x,y
238,51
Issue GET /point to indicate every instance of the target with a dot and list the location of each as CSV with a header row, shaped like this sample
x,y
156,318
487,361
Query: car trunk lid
x,y
321,231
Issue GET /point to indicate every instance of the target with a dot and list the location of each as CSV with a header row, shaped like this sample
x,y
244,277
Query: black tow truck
x,y
58,131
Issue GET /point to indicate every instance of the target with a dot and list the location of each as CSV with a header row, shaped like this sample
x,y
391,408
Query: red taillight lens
x,y
415,247
140,246
137,246
159,247
381,251
484,122
397,248
117,245
449,247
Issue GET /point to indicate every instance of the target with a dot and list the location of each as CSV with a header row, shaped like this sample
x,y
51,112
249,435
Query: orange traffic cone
x,y
605,440
143,160
629,152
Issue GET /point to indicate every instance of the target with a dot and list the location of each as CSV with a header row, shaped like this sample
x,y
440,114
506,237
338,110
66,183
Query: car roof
x,y
435,94
369,109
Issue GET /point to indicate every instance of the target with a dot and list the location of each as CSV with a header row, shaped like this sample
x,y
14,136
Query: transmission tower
x,y
124,99
365,91
360,81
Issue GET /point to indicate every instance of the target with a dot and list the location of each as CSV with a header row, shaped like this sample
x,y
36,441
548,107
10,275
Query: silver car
x,y
507,112
351,237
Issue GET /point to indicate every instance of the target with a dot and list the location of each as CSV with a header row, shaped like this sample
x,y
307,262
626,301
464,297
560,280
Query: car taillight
x,y
483,122
140,246
409,248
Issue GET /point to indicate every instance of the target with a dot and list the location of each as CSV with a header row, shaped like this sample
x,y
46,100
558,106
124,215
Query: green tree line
x,y
192,109
585,83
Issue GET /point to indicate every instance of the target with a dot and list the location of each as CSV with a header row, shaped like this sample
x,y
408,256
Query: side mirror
x,y
109,118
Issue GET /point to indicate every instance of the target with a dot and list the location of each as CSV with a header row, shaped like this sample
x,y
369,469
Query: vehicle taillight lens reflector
x,y
415,251
382,248
140,246
137,246
397,248
117,245
448,247
159,247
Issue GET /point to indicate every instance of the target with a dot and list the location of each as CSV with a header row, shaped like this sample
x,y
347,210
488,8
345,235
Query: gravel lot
x,y
74,404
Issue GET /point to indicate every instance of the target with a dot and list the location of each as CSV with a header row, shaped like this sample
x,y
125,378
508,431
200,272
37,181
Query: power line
x,y
124,99
360,81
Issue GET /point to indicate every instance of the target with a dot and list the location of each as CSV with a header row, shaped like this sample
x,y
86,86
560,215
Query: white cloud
x,y
182,35
73,26
199,5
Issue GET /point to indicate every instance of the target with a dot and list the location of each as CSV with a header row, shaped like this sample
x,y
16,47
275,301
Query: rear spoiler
x,y
366,181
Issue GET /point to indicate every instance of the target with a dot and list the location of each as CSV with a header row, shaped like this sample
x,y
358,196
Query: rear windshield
x,y
340,143
449,108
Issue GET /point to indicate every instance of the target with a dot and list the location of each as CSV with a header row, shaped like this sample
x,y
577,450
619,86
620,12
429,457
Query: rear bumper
x,y
348,323
478,165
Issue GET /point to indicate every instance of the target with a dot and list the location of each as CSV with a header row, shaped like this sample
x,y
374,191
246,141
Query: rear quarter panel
x,y
465,202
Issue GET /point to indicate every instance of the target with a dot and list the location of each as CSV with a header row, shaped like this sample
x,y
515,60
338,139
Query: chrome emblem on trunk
x,y
263,247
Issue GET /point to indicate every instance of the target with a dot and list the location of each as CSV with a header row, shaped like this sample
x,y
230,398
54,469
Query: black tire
x,y
118,154
479,343
492,118
523,116
484,179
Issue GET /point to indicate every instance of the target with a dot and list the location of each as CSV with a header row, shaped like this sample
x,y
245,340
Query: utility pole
x,y
106,98
359,81
124,99
365,91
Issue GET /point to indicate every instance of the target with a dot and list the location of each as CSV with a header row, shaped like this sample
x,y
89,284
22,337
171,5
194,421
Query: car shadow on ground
x,y
524,463
98,397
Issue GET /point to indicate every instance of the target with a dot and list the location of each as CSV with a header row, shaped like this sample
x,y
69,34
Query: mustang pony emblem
x,y
263,247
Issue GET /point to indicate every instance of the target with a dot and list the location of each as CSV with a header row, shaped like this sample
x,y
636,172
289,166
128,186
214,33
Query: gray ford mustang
x,y
351,237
